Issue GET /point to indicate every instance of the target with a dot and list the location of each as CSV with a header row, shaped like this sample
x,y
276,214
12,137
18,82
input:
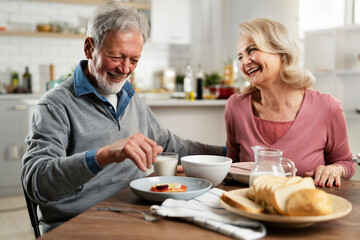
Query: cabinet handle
x,y
14,152
20,107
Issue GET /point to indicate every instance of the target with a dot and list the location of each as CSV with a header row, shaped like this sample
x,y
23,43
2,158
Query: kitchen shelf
x,y
348,72
41,34
141,6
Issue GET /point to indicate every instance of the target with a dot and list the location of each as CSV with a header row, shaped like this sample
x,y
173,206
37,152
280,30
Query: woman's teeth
x,y
253,70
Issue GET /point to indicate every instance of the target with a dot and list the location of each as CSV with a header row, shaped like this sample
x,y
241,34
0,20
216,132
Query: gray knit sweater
x,y
65,126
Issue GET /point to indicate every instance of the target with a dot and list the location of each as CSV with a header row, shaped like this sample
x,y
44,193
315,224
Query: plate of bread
x,y
285,202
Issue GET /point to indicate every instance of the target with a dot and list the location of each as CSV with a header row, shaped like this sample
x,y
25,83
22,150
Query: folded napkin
x,y
207,212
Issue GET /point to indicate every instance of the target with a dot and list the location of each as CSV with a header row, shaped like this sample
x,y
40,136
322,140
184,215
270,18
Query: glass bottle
x,y
15,79
27,80
199,83
228,73
188,81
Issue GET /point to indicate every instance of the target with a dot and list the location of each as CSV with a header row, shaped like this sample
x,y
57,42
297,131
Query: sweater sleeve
x,y
46,163
337,150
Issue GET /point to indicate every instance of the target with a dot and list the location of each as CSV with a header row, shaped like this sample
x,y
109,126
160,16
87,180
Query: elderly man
x,y
91,136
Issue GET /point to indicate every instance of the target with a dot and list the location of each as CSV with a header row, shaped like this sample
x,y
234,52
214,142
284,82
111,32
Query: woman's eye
x,y
251,50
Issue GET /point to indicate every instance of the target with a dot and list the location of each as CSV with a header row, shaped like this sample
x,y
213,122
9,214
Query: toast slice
x,y
238,199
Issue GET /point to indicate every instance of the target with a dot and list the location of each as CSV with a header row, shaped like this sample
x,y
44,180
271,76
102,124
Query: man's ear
x,y
88,47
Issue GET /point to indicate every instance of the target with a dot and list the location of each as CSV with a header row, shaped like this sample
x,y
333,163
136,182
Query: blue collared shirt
x,y
82,87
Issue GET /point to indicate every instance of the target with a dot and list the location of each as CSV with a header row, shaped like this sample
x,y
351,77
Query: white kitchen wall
x,y
284,11
38,53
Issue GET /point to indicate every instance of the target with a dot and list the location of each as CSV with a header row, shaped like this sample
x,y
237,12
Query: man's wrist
x,y
91,162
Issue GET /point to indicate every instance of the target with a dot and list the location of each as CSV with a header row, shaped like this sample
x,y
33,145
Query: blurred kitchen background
x,y
41,41
46,37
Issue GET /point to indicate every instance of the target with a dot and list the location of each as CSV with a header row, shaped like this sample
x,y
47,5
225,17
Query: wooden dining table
x,y
94,224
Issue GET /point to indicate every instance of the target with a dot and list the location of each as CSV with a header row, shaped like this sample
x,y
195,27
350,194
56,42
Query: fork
x,y
147,217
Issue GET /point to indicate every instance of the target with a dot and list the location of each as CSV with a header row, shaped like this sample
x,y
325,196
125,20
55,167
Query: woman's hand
x,y
329,175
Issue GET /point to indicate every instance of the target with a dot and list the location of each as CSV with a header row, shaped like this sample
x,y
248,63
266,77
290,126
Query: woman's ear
x,y
88,47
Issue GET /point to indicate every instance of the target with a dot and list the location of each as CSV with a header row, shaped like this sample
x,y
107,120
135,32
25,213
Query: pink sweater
x,y
318,135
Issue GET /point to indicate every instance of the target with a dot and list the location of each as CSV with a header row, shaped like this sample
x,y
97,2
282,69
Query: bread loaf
x,y
294,196
280,195
309,202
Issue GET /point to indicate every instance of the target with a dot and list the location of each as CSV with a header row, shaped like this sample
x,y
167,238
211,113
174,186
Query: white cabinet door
x,y
13,130
170,21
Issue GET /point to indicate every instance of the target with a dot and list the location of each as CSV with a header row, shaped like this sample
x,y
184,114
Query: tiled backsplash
x,y
17,52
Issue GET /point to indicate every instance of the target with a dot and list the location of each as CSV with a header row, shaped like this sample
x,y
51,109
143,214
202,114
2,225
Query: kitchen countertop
x,y
31,99
185,103
20,96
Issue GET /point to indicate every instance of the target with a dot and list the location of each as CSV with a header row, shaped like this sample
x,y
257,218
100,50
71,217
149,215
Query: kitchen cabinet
x,y
14,126
333,56
171,21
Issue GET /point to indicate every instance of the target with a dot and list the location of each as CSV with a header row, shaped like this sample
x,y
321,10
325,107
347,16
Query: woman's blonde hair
x,y
273,37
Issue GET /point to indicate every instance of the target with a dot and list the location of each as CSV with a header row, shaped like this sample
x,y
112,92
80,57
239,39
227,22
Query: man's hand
x,y
140,149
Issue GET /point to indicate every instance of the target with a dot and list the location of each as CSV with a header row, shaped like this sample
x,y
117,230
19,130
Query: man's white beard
x,y
107,88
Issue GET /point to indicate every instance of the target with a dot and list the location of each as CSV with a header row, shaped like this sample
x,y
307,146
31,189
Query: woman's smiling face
x,y
261,68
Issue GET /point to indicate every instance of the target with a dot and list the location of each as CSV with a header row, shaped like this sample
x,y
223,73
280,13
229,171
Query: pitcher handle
x,y
291,164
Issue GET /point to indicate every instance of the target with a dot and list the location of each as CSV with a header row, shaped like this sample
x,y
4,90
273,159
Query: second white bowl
x,y
210,167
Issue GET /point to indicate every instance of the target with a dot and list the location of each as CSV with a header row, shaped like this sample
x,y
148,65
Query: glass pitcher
x,y
269,161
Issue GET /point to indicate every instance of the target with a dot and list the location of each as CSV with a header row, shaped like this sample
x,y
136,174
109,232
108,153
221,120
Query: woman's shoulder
x,y
323,100
238,98
315,95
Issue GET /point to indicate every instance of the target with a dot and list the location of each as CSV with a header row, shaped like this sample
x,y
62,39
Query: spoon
x,y
147,217
357,159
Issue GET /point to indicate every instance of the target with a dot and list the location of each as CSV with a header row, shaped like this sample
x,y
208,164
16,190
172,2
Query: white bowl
x,y
209,167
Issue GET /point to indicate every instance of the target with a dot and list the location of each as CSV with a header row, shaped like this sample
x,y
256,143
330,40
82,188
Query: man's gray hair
x,y
112,16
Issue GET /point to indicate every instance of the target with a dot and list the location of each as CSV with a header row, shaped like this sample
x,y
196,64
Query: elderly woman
x,y
278,110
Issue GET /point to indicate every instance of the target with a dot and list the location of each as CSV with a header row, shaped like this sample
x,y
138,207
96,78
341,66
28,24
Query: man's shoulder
x,y
61,93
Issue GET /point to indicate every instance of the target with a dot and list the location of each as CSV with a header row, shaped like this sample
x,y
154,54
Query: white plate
x,y
242,173
195,187
341,207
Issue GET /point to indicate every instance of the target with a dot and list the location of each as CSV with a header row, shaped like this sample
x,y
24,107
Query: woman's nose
x,y
245,60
